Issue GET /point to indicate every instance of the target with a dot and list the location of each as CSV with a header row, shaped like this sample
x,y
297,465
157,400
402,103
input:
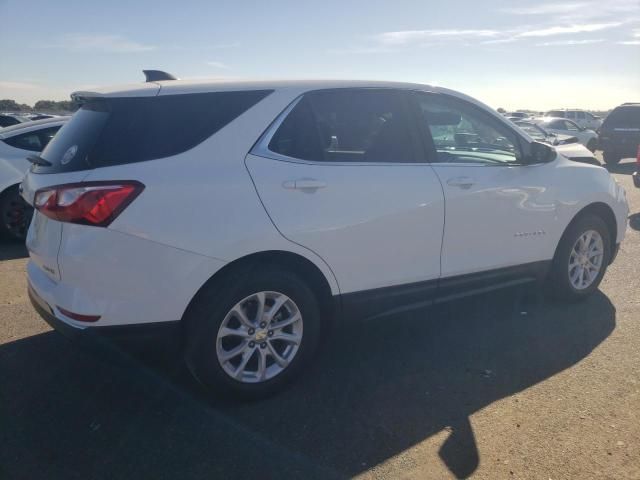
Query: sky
x,y
512,54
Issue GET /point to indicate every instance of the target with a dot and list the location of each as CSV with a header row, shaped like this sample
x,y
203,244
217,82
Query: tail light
x,y
638,158
87,203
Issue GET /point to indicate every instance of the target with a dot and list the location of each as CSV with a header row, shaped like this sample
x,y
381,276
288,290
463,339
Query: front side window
x,y
580,115
463,133
571,115
346,125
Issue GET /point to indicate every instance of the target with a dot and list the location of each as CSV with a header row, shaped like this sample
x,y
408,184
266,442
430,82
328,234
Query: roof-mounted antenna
x,y
157,75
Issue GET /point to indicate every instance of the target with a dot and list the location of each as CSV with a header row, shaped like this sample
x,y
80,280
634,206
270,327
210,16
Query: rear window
x,y
623,117
116,131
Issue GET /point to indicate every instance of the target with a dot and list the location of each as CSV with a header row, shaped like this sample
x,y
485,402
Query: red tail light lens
x,y
89,203
638,157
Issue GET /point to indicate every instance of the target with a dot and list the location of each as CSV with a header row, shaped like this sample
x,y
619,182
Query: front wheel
x,y
253,334
581,259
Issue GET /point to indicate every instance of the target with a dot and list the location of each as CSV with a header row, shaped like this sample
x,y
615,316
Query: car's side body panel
x,y
204,208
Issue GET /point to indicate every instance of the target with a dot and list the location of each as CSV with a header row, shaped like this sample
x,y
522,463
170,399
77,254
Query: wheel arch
x,y
599,209
293,262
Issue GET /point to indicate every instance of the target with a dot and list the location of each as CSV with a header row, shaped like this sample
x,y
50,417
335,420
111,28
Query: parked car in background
x,y
562,126
619,135
581,118
244,233
8,119
564,144
540,134
519,115
16,143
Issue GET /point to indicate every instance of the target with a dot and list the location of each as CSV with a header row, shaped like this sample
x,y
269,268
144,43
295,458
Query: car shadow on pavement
x,y
12,250
377,389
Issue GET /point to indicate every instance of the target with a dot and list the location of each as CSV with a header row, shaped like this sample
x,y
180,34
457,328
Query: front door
x,y
499,212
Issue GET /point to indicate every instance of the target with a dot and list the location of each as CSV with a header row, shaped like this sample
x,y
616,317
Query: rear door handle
x,y
304,184
462,182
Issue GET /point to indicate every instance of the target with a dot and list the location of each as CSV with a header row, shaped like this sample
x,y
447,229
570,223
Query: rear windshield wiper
x,y
39,161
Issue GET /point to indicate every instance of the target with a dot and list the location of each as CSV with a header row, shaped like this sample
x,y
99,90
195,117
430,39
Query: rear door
x,y
341,173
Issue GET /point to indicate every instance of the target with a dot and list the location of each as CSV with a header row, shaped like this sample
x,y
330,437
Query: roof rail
x,y
157,75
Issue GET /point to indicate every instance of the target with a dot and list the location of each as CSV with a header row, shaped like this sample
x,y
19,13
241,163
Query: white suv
x,y
239,218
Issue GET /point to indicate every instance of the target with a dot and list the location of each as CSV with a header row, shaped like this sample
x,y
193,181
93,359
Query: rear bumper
x,y
154,338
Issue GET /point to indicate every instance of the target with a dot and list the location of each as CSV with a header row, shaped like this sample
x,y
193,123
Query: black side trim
x,y
451,288
400,298
388,300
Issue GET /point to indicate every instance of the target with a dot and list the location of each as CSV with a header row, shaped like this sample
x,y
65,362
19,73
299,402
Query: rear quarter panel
x,y
204,201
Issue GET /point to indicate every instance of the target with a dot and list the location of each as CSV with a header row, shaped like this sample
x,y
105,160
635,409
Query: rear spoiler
x,y
147,89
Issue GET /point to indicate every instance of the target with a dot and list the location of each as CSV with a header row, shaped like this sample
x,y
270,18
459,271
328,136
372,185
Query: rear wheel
x,y
252,334
581,259
15,214
611,158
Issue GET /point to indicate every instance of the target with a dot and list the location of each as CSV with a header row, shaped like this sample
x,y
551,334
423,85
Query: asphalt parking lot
x,y
506,385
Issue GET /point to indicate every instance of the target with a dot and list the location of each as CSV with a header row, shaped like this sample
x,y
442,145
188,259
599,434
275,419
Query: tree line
x,y
45,106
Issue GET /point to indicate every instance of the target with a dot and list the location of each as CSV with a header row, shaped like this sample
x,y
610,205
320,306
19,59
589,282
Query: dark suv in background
x,y
619,135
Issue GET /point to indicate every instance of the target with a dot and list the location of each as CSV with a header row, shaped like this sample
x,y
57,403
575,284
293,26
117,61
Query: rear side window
x,y
623,117
34,141
347,125
116,131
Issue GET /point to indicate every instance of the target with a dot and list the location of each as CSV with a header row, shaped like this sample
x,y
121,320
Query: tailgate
x,y
45,234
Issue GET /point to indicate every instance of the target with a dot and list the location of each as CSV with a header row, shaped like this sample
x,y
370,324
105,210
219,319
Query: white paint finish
x,y
126,279
368,226
376,225
483,219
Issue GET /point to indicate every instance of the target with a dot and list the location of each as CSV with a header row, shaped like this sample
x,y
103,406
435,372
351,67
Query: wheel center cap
x,y
261,335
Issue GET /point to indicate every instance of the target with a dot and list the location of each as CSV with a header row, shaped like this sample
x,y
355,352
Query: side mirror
x,y
539,153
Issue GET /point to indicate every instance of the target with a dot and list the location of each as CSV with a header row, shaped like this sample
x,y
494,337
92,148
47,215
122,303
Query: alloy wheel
x,y
259,337
586,259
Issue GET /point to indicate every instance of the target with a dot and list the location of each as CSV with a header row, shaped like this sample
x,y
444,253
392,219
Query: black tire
x,y
611,158
592,145
559,283
15,215
208,310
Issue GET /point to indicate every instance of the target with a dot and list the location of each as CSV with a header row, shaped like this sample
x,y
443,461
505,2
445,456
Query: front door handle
x,y
462,182
304,184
